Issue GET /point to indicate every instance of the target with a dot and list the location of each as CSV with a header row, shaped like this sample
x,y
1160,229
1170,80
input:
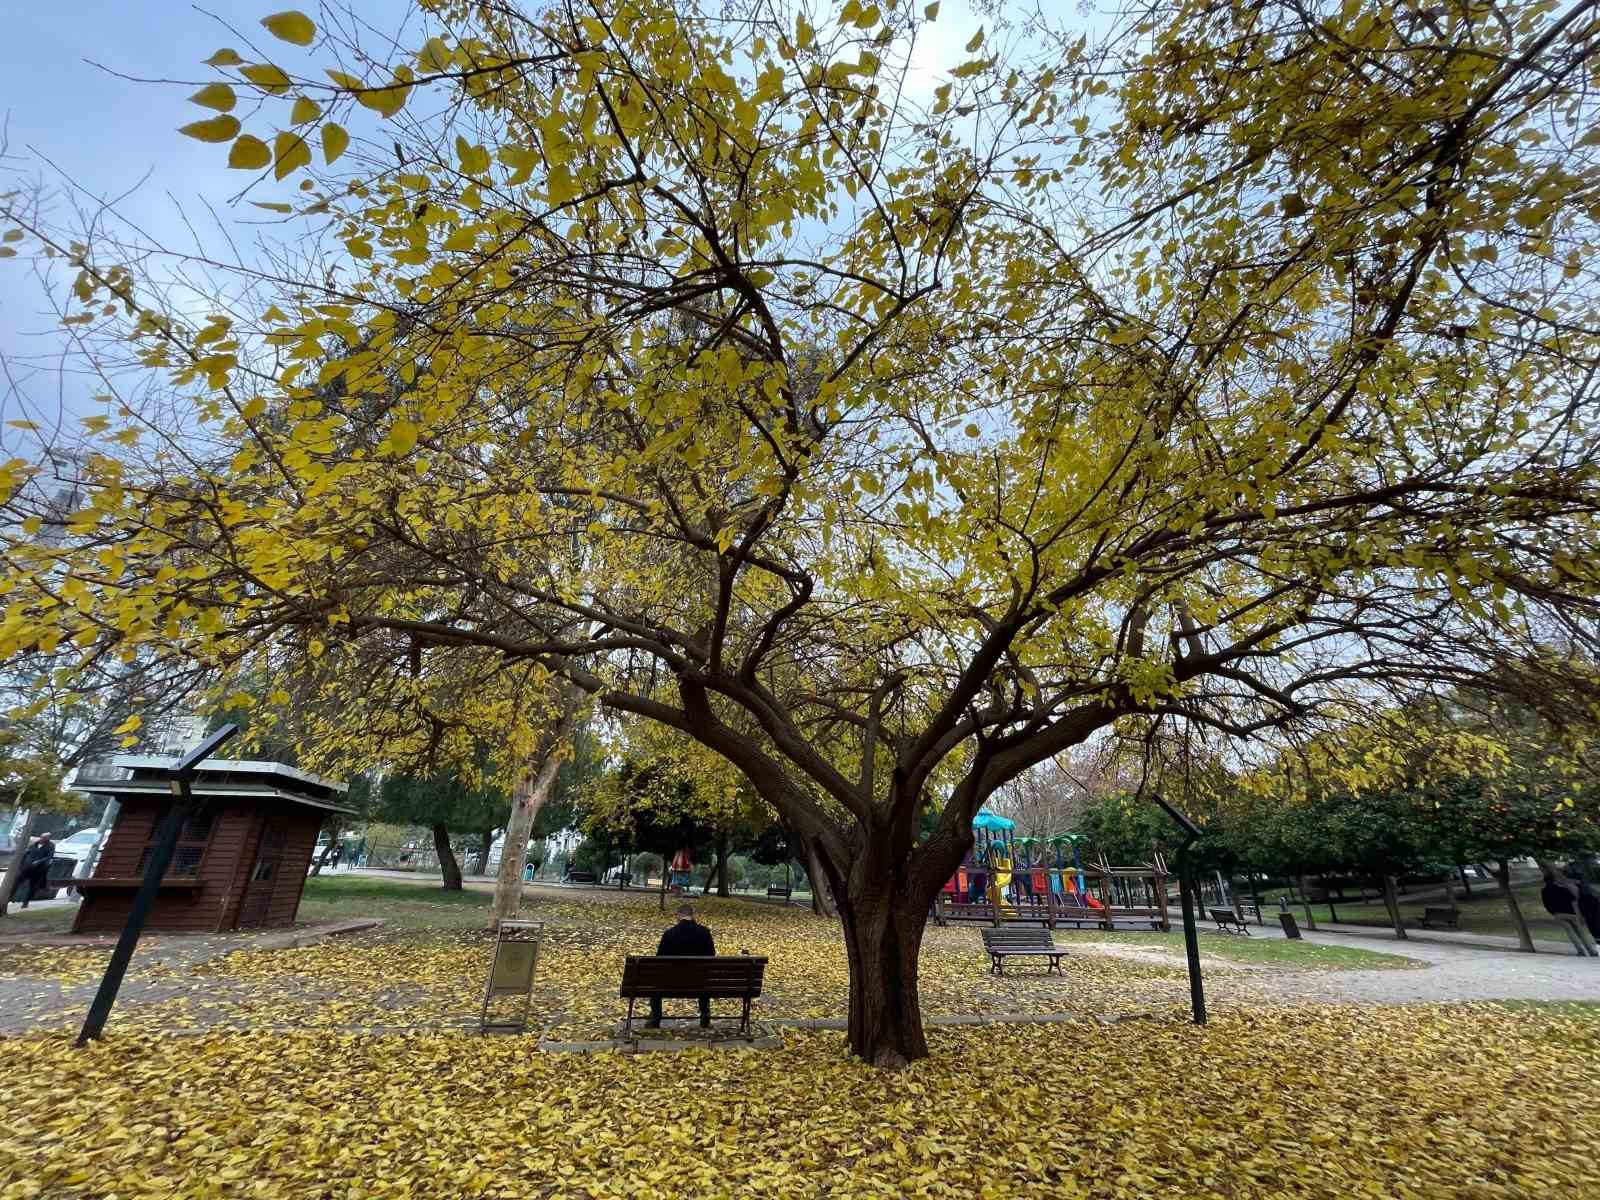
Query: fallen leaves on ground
x,y
1325,1101
413,976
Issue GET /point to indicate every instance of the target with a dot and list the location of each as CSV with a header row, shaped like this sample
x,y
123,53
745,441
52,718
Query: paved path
x,y
160,969
1455,972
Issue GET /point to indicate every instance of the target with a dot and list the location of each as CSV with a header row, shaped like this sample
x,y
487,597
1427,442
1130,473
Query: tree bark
x,y
1391,901
883,928
327,851
14,867
1305,894
821,896
449,868
665,875
722,863
485,846
1502,875
711,871
528,794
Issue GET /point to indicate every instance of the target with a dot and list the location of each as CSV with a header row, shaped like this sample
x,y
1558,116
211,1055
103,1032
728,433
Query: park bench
x,y
1001,944
1247,910
1440,918
582,877
779,893
1229,921
721,977
1079,915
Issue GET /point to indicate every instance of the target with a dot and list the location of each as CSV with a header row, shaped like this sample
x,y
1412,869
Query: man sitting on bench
x,y
687,939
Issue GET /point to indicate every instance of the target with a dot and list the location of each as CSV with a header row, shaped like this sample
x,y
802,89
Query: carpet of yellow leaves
x,y
1317,1102
421,977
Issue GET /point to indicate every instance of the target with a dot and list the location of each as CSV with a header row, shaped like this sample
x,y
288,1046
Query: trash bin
x,y
1290,929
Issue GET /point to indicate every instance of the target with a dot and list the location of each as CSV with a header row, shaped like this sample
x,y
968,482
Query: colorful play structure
x,y
1044,881
679,870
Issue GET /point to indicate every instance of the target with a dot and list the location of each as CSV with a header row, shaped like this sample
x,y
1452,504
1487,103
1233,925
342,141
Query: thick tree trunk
x,y
485,846
327,851
722,864
528,794
883,928
449,868
14,867
665,875
1502,875
1466,885
1391,901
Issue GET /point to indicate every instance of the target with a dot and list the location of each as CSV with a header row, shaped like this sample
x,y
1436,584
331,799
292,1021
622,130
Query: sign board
x,y
511,974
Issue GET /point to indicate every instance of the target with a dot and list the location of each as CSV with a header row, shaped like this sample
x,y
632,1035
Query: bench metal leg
x,y
627,1027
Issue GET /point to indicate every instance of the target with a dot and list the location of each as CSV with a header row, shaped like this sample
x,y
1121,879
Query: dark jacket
x,y
39,855
1557,899
686,939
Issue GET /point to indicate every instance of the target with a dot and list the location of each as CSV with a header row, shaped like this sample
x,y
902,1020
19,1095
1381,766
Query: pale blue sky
x,y
70,120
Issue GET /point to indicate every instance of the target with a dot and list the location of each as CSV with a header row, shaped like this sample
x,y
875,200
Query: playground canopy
x,y
993,822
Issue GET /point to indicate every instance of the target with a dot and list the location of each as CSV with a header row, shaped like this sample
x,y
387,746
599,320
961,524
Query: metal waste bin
x,y
1290,929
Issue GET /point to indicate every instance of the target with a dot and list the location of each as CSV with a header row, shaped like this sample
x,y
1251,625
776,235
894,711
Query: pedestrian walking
x,y
33,880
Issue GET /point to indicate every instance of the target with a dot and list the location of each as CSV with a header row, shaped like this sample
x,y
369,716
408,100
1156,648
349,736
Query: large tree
x,y
1237,364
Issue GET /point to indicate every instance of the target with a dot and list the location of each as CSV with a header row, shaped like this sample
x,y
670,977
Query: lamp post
x,y
1191,939
178,776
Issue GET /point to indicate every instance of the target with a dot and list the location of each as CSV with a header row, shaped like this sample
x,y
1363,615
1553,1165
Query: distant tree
x,y
446,804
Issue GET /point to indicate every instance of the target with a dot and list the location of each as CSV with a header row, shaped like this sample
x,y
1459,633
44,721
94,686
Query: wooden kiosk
x,y
240,863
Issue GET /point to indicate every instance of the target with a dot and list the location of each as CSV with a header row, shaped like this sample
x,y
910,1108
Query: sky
x,y
75,122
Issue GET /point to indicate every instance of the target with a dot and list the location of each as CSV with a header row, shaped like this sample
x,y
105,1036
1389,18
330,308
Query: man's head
x,y
685,911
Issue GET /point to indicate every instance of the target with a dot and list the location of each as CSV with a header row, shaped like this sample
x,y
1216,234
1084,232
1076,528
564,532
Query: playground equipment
x,y
1010,879
679,871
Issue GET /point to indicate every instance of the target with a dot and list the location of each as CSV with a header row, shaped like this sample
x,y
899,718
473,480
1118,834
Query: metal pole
x,y
144,899
1191,938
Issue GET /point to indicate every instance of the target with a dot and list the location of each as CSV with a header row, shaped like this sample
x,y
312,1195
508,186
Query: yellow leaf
x,y
931,13
130,725
272,206
289,152
249,153
305,109
334,141
224,58
977,40
402,436
215,95
291,26
436,55
214,129
267,77
384,101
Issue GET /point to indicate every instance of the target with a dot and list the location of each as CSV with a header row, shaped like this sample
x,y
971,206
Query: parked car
x,y
80,846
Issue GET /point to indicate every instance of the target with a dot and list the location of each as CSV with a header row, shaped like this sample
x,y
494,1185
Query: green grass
x,y
1486,913
37,920
1587,1009
401,905
1273,952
